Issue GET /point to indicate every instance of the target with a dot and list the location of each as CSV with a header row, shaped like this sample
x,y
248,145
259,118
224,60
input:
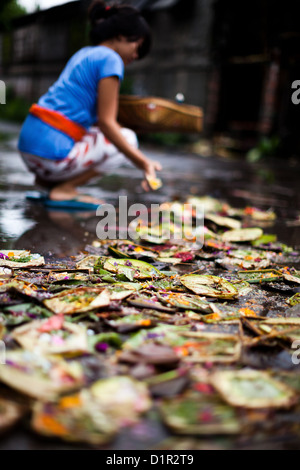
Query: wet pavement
x,y
56,234
270,184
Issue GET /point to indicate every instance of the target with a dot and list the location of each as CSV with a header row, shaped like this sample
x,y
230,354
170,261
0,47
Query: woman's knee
x,y
130,136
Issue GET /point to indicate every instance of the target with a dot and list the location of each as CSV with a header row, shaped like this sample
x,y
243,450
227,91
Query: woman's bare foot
x,y
65,193
91,199
67,190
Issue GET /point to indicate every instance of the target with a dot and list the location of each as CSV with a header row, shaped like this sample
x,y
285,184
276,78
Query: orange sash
x,y
58,121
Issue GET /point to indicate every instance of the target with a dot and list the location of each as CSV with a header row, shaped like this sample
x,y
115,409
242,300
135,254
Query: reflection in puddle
x,y
58,233
30,225
14,223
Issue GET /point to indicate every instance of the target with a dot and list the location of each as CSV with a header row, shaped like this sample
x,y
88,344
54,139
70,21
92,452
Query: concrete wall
x,y
35,52
180,60
37,49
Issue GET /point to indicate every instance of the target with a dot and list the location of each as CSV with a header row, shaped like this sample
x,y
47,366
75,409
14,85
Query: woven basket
x,y
152,114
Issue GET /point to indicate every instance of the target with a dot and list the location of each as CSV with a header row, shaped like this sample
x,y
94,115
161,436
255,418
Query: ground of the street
x,y
271,183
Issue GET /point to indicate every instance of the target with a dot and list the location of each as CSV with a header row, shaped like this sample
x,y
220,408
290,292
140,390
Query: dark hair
x,y
109,22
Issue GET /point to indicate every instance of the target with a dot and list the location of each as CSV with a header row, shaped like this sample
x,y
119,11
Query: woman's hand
x,y
108,92
151,166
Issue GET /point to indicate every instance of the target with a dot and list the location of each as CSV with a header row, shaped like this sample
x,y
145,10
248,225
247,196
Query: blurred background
x,y
236,60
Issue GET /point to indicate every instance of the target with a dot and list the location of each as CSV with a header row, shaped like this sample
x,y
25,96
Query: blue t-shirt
x,y
74,95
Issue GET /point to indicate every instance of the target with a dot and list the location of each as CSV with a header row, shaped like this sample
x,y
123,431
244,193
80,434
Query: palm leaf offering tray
x,y
224,221
225,313
20,258
52,336
231,263
242,235
24,288
211,286
185,301
200,414
5,273
253,389
260,276
68,276
22,313
292,275
131,268
133,322
124,249
210,347
78,300
271,329
88,262
245,259
154,183
162,328
93,415
38,376
10,414
295,300
192,347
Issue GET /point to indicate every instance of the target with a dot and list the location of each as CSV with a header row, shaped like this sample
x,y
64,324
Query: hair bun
x,y
98,10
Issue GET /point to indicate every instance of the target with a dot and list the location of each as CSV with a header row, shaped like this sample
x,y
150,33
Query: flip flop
x,y
36,196
71,204
74,204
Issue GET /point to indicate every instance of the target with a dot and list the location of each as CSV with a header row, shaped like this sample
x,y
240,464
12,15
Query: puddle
x,y
24,224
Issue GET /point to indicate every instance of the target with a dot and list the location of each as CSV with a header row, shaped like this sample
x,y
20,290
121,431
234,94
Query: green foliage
x,y
9,9
267,175
4,136
16,107
167,139
78,36
7,47
267,147
127,86
4,4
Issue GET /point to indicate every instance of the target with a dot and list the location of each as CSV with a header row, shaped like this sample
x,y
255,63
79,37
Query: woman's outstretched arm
x,y
108,102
